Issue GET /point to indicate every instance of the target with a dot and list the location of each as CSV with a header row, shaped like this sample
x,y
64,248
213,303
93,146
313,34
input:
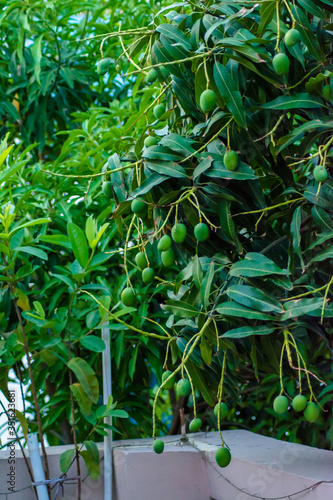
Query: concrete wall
x,y
261,467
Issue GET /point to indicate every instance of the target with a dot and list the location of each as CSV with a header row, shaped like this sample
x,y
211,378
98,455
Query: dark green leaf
x,y
247,331
79,244
253,298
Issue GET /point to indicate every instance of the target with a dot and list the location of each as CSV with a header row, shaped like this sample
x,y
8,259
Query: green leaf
x,y
56,239
247,331
160,153
227,224
81,397
92,343
267,11
92,466
168,168
92,449
206,285
325,254
197,271
302,100
307,35
90,229
132,363
5,153
37,252
295,228
172,32
66,459
206,350
86,376
36,52
117,413
310,7
311,194
328,312
201,384
320,240
253,298
180,308
79,244
202,167
255,264
178,144
150,182
322,220
35,222
243,172
298,307
230,93
240,311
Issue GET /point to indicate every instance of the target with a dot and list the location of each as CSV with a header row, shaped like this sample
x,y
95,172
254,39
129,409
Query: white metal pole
x,y
37,466
107,391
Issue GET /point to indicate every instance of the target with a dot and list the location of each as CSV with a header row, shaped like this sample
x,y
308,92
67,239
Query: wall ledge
x,y
261,467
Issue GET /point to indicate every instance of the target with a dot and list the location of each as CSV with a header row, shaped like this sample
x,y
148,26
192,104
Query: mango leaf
x,y
247,331
227,224
171,169
66,459
267,11
253,298
206,285
298,307
24,423
180,308
201,384
197,271
307,35
79,244
230,93
295,227
202,167
321,238
148,184
310,193
243,172
86,376
36,52
328,311
303,100
206,350
310,7
160,153
239,311
178,144
315,82
255,264
172,32
325,254
92,343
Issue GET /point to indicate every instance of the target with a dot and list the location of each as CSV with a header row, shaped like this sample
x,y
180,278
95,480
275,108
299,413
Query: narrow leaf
x,y
253,298
247,331
79,244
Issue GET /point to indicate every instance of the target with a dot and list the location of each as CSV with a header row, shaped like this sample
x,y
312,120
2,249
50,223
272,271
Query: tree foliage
x,y
245,314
